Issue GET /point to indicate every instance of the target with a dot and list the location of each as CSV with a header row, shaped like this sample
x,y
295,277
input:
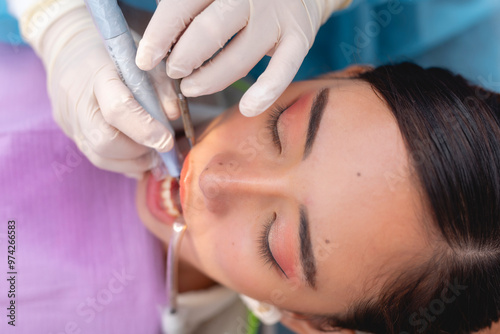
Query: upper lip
x,y
184,182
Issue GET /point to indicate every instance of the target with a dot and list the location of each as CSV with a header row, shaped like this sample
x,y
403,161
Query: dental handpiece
x,y
121,47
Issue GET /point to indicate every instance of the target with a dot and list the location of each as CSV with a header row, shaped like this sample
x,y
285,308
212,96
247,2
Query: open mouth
x,y
163,199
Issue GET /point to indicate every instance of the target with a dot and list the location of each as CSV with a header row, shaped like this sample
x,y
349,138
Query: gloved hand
x,y
283,29
90,102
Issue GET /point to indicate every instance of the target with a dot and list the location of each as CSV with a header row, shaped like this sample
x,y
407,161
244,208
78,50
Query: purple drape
x,y
84,261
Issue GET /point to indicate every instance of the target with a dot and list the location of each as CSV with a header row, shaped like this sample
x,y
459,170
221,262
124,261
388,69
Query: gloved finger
x,y
280,72
231,64
104,139
121,110
208,32
140,164
168,22
166,91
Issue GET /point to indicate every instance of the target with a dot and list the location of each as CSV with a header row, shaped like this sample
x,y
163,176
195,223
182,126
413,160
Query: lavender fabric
x,y
84,261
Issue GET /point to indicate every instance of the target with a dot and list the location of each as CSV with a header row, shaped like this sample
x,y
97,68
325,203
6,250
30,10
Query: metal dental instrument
x,y
184,108
121,47
179,228
186,116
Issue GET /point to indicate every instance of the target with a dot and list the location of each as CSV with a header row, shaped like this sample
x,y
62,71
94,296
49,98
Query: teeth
x,y
166,195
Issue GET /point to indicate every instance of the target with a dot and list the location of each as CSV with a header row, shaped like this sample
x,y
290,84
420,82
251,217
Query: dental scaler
x,y
179,226
121,47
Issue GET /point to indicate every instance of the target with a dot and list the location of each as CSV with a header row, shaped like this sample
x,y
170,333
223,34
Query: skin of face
x,y
363,205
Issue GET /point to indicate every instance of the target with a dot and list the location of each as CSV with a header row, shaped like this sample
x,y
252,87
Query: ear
x,y
494,329
348,72
300,326
354,70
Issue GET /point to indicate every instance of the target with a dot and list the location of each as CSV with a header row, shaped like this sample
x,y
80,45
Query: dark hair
x,y
452,134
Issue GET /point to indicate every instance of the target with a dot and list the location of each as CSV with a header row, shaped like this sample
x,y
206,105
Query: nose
x,y
228,177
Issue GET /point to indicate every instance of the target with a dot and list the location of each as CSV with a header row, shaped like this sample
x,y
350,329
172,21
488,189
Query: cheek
x,y
227,251
250,137
246,137
225,254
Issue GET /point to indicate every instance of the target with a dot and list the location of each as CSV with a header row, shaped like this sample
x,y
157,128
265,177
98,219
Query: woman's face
x,y
308,211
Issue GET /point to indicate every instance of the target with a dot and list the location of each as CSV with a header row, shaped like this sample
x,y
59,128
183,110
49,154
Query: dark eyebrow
x,y
317,110
306,254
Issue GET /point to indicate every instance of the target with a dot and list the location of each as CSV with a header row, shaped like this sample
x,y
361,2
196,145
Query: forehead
x,y
364,206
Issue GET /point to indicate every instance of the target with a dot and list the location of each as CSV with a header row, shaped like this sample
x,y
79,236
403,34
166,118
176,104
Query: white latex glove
x,y
90,102
283,29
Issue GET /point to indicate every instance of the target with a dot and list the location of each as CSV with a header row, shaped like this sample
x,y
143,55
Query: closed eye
x,y
272,125
265,249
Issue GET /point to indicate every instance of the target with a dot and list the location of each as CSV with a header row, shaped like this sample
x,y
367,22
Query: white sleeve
x,y
18,7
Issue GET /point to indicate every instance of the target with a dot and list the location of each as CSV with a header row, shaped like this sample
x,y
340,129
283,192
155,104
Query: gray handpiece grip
x,y
121,47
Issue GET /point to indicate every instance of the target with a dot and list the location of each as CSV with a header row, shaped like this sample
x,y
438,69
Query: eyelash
x,y
272,124
264,249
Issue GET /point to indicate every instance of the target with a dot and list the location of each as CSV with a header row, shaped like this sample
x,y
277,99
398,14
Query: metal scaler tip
x,y
186,116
